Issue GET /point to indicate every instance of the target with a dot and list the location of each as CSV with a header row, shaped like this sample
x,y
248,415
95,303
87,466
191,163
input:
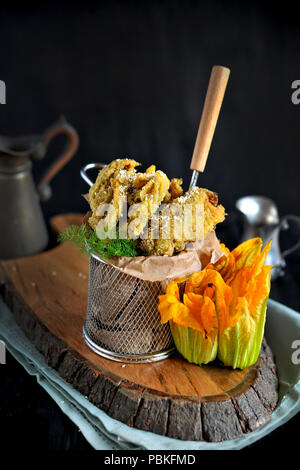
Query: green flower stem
x,y
191,344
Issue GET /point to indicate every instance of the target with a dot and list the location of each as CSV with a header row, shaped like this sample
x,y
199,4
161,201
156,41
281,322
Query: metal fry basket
x,y
122,322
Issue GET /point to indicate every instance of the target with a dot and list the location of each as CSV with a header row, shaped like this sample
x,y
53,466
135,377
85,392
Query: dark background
x,y
131,77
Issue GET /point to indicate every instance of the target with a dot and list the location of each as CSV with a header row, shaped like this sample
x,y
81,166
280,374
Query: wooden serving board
x,y
47,294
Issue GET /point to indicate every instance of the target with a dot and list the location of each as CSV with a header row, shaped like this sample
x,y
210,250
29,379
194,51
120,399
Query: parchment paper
x,y
160,268
164,268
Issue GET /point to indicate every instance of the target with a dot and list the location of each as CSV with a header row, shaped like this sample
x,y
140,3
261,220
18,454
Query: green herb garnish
x,y
86,240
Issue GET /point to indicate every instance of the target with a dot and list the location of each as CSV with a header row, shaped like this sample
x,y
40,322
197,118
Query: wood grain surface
x,y
47,294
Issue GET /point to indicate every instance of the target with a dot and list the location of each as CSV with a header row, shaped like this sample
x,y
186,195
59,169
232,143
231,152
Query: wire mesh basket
x,y
122,321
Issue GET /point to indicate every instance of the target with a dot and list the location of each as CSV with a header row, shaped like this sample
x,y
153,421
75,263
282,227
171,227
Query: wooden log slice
x,y
47,295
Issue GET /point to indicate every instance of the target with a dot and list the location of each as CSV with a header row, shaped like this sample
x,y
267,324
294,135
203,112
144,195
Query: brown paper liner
x,y
164,268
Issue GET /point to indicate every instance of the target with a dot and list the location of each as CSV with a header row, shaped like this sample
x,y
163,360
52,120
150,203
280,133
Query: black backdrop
x,y
131,77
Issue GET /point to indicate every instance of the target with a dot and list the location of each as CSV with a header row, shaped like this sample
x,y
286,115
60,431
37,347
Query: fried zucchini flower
x,y
221,310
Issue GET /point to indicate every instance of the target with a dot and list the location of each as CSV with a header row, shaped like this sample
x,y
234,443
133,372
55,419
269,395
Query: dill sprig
x,y
86,240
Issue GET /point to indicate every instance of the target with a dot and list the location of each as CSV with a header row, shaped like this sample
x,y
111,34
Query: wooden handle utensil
x,y
212,105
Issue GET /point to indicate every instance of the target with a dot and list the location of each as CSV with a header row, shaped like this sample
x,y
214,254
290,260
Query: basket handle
x,y
90,166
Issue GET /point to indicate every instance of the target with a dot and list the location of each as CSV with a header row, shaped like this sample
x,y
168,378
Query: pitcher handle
x,y
283,224
60,127
89,166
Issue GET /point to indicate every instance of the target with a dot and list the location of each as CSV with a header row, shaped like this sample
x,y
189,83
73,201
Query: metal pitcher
x,y
23,229
261,219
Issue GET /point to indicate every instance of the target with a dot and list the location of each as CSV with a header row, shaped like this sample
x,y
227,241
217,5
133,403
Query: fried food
x,y
175,190
113,181
186,219
118,181
149,191
160,215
